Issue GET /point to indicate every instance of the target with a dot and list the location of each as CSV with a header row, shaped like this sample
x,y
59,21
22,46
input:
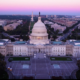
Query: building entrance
x,y
40,54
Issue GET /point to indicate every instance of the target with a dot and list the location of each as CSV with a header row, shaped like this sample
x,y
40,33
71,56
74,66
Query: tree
x,y
27,38
2,64
54,37
78,74
56,32
2,56
12,39
20,29
78,64
1,29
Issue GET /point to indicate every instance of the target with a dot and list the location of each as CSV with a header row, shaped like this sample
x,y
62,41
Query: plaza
x,y
42,68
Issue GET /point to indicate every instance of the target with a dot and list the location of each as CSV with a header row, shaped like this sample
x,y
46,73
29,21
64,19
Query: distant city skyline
x,y
46,7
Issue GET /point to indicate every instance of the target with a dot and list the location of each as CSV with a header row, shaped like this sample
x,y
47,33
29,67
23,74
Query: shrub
x,y
66,54
9,60
70,54
7,55
11,54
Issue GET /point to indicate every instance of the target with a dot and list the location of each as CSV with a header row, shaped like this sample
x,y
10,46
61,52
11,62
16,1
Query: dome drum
x,y
39,33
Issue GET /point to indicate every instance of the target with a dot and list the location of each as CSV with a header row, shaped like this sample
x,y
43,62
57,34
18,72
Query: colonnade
x,y
39,37
39,50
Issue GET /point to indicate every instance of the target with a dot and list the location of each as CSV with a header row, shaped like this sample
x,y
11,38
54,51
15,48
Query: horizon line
x,y
42,14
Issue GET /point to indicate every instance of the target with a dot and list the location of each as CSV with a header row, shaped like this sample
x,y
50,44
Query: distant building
x,y
78,26
55,16
20,21
46,16
48,22
65,21
12,26
58,27
3,23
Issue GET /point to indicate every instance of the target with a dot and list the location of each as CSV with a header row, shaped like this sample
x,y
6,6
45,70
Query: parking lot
x,y
42,68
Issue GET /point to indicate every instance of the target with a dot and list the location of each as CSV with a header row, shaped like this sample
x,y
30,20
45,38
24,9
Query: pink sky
x,y
44,6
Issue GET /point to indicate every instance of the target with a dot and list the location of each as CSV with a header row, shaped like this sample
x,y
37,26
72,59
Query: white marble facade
x,y
20,50
76,51
59,50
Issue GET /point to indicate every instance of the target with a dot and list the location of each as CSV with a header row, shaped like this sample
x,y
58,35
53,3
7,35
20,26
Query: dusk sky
x,y
46,7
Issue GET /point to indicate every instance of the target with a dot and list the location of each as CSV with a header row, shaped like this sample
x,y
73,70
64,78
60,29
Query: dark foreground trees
x,y
3,73
78,72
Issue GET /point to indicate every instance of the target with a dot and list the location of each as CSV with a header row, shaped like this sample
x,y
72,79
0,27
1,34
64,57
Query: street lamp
x,y
10,70
22,75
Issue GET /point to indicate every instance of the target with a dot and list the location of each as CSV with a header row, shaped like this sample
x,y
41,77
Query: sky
x,y
46,7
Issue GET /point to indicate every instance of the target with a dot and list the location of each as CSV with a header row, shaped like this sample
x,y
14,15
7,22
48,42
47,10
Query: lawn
x,y
19,59
60,59
4,75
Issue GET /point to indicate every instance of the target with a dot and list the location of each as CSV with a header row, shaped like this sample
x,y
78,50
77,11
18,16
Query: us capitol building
x,y
40,45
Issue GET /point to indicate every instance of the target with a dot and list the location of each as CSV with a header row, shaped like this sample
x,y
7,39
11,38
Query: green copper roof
x,y
57,42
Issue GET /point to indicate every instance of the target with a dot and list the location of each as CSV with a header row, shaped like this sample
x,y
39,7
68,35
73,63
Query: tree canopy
x,y
2,64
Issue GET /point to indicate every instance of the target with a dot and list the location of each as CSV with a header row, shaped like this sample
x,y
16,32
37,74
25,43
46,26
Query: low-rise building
x,y
3,23
11,26
3,48
78,26
48,22
58,27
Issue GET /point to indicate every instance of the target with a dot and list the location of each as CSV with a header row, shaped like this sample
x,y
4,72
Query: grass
x,y
19,59
60,59
4,75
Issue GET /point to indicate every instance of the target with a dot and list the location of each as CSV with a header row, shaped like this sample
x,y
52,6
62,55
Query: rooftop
x,y
20,42
1,43
57,42
74,42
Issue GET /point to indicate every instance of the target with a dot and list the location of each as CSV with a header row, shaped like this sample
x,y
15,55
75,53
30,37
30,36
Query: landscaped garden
x,y
60,59
19,59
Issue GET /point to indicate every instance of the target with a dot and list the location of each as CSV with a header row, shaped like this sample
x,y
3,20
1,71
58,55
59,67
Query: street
x,y
67,34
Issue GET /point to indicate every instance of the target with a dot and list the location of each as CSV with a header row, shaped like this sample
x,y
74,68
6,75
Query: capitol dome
x,y
39,33
39,29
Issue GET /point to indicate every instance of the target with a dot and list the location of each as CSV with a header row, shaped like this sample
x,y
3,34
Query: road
x,y
67,34
7,35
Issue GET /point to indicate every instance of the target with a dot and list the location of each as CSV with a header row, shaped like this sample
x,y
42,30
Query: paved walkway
x,y
73,74
42,68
